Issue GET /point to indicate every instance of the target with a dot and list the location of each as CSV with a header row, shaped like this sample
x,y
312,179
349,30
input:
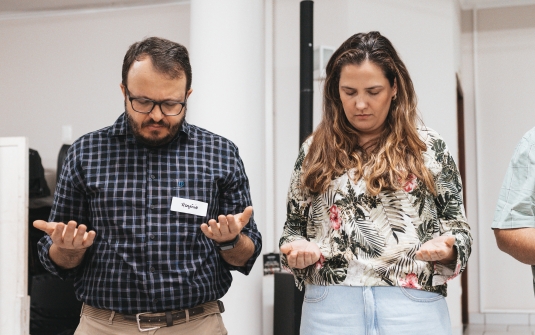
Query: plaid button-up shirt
x,y
146,257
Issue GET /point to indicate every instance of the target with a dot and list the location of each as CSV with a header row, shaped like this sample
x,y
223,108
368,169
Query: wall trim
x,y
501,317
472,4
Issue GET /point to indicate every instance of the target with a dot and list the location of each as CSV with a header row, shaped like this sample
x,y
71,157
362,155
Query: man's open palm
x,y
227,227
67,236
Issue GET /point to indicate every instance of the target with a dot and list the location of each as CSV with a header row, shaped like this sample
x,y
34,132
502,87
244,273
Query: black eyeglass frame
x,y
154,103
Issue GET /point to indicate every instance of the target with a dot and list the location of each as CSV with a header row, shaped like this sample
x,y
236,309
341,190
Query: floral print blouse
x,y
370,240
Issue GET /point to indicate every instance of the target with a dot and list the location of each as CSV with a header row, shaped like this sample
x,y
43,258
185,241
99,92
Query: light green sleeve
x,y
516,203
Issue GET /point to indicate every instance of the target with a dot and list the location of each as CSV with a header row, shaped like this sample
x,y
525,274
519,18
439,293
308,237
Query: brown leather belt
x,y
150,321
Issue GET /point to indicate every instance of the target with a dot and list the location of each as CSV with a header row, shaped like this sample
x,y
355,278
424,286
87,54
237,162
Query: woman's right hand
x,y
301,253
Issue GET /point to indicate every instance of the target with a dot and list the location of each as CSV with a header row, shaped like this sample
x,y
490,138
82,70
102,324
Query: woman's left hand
x,y
440,249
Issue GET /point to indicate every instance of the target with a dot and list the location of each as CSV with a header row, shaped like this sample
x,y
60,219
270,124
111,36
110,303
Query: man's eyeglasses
x,y
145,106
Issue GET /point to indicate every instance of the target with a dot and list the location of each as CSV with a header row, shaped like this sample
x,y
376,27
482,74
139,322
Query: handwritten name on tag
x,y
189,206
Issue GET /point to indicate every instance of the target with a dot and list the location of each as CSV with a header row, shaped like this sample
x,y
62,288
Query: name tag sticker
x,y
189,206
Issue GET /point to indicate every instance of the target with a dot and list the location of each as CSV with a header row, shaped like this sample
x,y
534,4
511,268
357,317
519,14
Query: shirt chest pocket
x,y
201,190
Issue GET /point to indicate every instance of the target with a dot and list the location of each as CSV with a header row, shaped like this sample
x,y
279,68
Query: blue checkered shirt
x,y
146,257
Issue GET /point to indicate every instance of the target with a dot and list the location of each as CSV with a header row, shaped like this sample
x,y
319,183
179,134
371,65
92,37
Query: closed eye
x,y
374,90
171,103
143,101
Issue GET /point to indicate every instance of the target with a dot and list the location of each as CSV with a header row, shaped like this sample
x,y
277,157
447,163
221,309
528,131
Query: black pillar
x,y
306,70
288,305
289,299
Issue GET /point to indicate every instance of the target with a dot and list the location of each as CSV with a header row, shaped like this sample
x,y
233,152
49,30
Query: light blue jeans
x,y
375,310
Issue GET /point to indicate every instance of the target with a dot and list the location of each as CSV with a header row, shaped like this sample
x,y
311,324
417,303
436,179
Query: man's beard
x,y
154,141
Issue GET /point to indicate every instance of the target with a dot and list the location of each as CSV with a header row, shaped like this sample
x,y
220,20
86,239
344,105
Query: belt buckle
x,y
139,324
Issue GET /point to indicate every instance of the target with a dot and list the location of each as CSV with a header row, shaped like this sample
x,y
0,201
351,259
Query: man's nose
x,y
156,113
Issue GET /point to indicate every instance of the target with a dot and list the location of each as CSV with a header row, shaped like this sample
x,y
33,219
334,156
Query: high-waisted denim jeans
x,y
375,310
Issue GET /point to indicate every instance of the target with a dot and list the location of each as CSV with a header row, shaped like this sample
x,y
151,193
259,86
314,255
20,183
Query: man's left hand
x,y
439,249
227,226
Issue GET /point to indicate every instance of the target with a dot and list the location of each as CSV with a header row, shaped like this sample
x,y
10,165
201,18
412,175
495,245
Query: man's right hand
x,y
69,242
67,236
301,253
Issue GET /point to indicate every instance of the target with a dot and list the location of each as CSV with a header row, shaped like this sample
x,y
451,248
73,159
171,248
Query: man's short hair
x,y
168,57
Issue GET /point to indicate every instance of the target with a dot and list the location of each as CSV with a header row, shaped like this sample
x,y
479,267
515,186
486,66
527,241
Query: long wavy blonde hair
x,y
389,160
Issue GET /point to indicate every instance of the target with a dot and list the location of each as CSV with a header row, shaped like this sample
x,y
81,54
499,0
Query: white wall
x,y
498,73
64,68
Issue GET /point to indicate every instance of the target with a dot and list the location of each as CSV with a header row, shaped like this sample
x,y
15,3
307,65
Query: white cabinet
x,y
14,299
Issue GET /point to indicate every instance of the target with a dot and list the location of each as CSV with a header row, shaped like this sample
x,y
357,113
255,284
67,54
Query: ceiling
x,y
44,5
19,6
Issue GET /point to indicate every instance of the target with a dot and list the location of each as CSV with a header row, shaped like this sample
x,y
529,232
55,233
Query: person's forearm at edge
x,y
241,253
519,243
66,258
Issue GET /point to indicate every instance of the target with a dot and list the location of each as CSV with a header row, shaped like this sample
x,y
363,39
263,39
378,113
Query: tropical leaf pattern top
x,y
370,240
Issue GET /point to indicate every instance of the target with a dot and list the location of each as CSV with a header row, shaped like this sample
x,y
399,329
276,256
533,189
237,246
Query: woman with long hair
x,y
375,221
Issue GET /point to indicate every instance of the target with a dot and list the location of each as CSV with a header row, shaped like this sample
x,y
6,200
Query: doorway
x,y
462,171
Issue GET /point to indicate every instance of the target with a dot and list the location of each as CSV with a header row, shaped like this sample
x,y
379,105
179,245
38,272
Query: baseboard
x,y
523,319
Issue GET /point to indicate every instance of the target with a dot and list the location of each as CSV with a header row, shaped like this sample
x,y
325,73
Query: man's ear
x,y
189,92
123,89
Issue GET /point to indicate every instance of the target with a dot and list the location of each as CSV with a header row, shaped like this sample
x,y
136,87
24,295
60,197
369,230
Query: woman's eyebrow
x,y
368,88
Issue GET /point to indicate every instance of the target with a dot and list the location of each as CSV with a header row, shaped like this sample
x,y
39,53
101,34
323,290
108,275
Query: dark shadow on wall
x,y
54,309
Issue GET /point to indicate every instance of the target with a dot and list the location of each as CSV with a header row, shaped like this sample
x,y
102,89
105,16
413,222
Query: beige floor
x,y
499,330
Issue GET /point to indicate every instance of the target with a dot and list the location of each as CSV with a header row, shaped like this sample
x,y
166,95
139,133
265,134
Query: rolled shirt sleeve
x,y
235,198
69,204
450,213
297,208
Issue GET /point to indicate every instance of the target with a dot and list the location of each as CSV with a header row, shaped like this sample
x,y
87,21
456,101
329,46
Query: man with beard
x,y
157,211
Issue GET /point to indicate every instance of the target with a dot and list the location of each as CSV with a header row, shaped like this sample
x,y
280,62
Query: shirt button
x,y
155,301
151,206
151,237
152,176
152,269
